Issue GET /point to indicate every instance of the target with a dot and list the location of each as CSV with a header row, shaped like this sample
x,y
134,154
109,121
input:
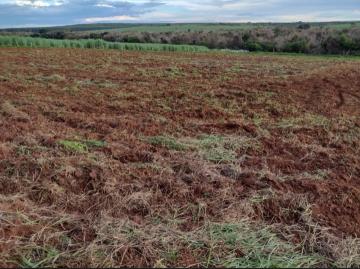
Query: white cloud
x,y
38,3
104,5
110,19
61,12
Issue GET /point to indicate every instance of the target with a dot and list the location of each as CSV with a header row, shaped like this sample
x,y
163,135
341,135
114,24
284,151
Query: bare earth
x,y
176,159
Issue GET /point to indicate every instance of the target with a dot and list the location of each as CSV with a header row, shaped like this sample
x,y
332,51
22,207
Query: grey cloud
x,y
76,11
70,12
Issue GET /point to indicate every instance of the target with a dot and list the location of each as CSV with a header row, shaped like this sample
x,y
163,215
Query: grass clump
x,y
72,90
54,78
347,253
81,146
10,110
94,143
308,120
39,257
221,149
73,146
214,148
248,246
166,142
217,148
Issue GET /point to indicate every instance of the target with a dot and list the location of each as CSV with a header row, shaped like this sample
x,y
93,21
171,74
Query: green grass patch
x,y
166,142
94,143
39,257
217,148
214,148
73,146
81,146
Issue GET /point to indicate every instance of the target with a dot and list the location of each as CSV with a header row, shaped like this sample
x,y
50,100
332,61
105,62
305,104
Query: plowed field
x,y
178,159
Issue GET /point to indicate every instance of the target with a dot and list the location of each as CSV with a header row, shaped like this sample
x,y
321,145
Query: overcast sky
x,y
20,13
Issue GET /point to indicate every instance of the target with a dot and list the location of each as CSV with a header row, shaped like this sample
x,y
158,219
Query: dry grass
x,y
11,111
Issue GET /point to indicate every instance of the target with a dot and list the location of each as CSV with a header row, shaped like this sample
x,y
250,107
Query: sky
x,y
27,13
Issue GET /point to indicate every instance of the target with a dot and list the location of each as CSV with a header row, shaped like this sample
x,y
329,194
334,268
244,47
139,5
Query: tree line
x,y
302,39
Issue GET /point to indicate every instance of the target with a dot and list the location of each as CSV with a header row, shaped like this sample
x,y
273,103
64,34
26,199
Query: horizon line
x,y
167,22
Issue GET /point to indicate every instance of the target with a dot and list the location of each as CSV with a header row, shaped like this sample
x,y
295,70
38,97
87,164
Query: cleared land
x,y
111,158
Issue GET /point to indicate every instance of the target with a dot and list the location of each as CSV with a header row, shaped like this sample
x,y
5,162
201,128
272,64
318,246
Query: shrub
x,y
253,46
341,44
296,45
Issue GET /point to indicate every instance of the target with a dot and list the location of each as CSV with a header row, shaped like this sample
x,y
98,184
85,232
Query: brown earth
x,y
186,139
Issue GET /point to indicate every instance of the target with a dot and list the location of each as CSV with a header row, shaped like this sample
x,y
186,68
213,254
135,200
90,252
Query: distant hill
x,y
178,27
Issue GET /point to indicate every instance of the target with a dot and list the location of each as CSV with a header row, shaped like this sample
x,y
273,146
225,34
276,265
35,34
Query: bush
x,y
342,44
298,45
268,46
253,46
132,39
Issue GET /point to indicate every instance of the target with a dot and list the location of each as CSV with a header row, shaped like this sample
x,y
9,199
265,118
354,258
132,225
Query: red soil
x,y
122,97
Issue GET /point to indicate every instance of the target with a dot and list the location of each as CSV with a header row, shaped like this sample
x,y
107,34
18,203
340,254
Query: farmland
x,y
202,159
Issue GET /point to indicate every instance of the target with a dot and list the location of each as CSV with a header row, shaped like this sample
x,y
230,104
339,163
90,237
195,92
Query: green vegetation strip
x,y
31,42
81,146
